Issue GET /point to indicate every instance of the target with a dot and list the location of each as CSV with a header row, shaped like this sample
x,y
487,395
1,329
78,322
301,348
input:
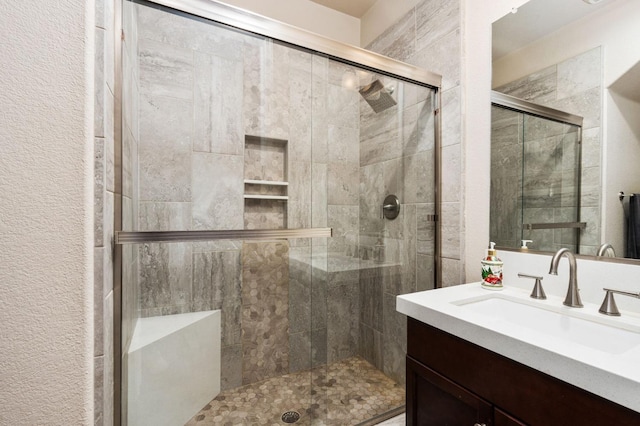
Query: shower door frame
x,y
522,106
244,20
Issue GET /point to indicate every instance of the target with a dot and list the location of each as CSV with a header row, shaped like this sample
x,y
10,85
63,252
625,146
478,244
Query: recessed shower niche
x,y
265,183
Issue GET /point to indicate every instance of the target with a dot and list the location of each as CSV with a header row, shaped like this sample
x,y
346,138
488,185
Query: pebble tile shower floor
x,y
344,393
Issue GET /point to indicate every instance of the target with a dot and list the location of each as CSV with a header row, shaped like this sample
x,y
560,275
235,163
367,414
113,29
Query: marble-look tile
x,y
217,191
100,85
300,108
435,19
266,90
164,216
505,212
451,117
408,247
342,322
394,340
380,137
218,122
98,390
231,367
300,183
165,149
98,301
299,351
99,193
452,272
165,276
165,70
451,173
370,294
370,346
580,73
342,183
425,279
344,145
418,133
443,57
425,229
319,195
108,361
450,224
265,310
232,321
371,195
217,277
319,303
319,345
591,147
586,104
300,290
343,107
590,235
540,86
344,221
398,41
320,122
189,32
419,177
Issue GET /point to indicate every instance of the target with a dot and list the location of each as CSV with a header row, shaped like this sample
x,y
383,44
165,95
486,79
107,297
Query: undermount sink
x,y
590,331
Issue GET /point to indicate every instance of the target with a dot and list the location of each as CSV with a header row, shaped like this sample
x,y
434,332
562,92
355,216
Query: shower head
x,y
377,96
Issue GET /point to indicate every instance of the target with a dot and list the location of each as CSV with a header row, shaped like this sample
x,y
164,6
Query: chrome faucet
x,y
573,295
603,250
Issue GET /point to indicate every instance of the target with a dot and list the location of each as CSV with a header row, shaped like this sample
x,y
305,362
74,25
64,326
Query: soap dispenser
x,y
492,269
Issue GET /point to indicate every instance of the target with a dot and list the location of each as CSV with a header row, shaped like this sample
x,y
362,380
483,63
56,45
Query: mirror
x,y
581,57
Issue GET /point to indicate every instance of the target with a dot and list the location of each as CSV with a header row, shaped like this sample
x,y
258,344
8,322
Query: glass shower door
x,y
374,149
239,153
551,184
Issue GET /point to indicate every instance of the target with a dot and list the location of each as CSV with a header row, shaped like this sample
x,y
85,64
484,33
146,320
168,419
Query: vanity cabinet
x,y
454,382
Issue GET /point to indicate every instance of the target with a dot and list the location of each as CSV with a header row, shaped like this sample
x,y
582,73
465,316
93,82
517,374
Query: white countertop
x,y
613,376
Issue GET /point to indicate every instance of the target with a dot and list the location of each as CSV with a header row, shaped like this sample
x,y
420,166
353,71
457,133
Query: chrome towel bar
x,y
131,237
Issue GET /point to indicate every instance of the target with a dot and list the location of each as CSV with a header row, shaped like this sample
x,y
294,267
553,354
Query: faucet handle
x,y
538,291
609,306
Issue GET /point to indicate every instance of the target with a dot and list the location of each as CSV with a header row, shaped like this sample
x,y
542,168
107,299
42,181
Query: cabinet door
x,y
503,419
433,400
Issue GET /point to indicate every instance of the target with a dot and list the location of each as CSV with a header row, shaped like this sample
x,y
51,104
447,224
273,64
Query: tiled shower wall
x,y
396,157
192,135
534,176
104,188
575,86
429,36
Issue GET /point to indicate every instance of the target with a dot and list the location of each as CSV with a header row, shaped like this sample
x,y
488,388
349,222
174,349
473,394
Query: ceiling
x,y
536,19
355,8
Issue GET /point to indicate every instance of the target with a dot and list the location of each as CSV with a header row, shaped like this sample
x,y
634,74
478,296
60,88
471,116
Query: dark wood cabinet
x,y
437,401
454,382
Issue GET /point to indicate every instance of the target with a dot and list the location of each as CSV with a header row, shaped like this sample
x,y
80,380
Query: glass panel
x,y
535,181
226,130
506,177
551,183
373,137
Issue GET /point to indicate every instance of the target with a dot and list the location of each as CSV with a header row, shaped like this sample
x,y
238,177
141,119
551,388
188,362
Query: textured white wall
x,y
45,212
307,15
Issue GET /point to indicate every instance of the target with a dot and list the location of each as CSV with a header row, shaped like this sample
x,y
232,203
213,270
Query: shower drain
x,y
291,417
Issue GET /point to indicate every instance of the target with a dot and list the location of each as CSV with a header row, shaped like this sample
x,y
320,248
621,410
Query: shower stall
x,y
535,175
276,191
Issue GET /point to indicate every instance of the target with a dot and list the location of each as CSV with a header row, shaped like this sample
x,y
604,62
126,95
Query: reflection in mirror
x,y
535,179
583,59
